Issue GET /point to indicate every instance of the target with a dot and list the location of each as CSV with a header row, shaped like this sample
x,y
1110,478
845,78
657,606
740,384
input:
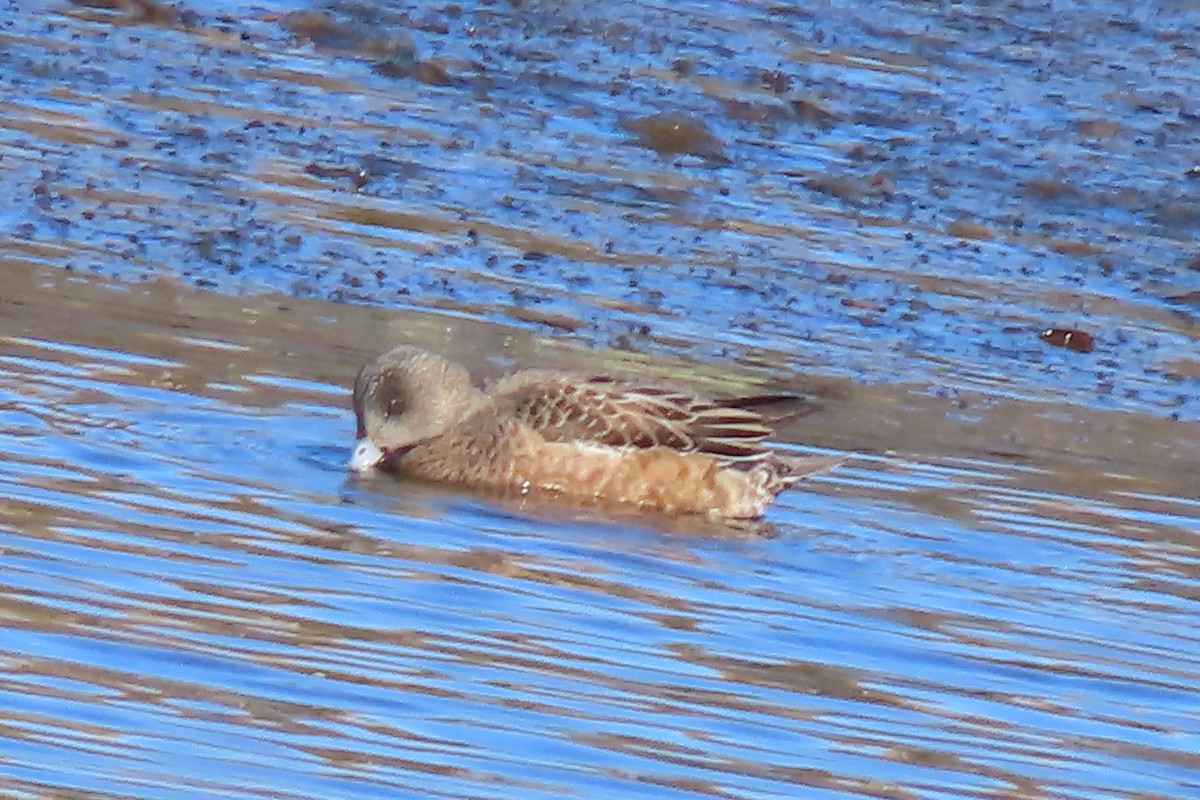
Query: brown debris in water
x,y
1099,128
855,189
560,321
427,72
148,11
1074,247
860,303
672,133
1070,338
966,229
813,113
1050,189
358,176
752,112
395,54
775,80
1187,298
329,34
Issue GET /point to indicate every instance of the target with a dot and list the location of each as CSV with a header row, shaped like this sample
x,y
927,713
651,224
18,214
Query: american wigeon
x,y
587,436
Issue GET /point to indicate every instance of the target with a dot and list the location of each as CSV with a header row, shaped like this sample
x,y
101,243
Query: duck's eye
x,y
394,408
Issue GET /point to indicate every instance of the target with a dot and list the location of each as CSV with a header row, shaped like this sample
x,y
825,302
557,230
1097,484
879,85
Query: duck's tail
x,y
790,470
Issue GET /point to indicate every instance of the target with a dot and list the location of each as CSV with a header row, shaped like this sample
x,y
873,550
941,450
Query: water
x,y
995,598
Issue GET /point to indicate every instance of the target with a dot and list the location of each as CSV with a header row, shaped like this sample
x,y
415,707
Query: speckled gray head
x,y
405,397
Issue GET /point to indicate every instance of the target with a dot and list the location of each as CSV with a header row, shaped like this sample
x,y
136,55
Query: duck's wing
x,y
608,411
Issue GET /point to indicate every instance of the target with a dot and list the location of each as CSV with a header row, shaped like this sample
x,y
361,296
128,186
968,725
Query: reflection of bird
x,y
597,437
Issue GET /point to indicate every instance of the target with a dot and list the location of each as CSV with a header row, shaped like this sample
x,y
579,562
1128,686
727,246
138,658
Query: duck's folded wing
x,y
607,411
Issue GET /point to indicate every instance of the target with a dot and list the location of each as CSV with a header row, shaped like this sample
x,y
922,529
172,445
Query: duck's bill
x,y
366,457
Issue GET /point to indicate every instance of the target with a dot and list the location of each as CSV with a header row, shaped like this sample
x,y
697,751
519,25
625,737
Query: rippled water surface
x,y
216,213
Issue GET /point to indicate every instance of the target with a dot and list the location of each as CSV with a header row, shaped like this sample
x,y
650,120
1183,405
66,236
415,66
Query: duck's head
x,y
404,397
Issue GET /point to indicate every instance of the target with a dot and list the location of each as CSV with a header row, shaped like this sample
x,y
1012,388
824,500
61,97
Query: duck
x,y
590,437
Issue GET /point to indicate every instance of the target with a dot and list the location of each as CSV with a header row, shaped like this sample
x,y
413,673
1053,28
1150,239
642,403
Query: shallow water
x,y
996,597
199,602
